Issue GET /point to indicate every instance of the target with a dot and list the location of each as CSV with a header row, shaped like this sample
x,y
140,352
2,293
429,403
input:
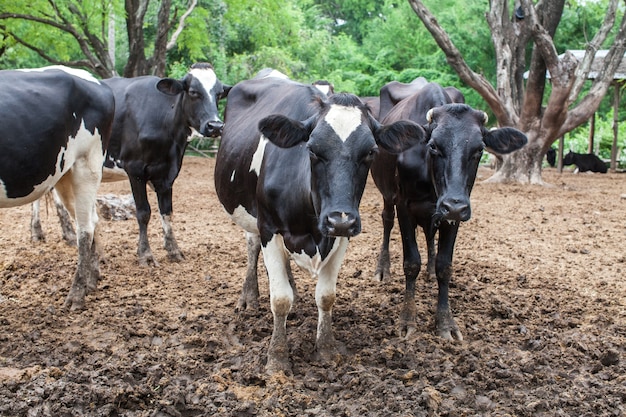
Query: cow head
x,y
200,90
342,139
456,139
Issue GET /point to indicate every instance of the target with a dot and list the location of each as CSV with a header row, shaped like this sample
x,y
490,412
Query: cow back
x,y
42,116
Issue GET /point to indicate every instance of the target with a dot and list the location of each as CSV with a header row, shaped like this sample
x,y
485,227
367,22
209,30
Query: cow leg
x,y
383,272
143,213
412,265
429,234
444,322
36,232
249,298
77,190
69,235
281,300
325,295
164,197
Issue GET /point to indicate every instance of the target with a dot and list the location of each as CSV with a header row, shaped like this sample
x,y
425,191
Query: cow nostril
x,y
342,224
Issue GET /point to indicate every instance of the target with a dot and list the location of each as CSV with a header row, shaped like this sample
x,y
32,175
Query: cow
x,y
55,124
394,92
585,162
373,103
429,186
154,119
291,170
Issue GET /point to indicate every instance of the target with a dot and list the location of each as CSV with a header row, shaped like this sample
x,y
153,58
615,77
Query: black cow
x,y
429,185
291,170
551,157
585,162
394,92
154,119
55,123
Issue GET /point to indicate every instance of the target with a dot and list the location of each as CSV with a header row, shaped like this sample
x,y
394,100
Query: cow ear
x,y
285,132
504,140
170,86
399,136
225,91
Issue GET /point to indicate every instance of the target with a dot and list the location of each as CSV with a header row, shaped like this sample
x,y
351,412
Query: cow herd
x,y
291,170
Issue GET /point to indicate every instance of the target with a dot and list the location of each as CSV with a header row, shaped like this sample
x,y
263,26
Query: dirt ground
x,y
539,294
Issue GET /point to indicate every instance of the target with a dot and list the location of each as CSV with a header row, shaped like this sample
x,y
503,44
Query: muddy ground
x,y
539,293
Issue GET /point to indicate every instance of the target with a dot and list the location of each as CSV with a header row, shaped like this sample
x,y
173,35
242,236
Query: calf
x,y
291,170
585,162
154,118
55,124
429,185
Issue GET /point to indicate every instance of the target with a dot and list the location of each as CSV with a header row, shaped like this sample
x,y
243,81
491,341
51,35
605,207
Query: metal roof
x,y
596,65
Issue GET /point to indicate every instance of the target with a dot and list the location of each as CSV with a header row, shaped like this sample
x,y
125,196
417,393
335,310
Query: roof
x,y
596,65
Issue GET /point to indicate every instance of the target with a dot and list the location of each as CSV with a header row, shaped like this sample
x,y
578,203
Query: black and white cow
x,y
55,123
585,162
154,119
429,186
291,170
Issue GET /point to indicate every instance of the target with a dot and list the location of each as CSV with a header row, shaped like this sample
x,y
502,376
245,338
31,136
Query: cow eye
x,y
432,148
315,157
369,156
194,94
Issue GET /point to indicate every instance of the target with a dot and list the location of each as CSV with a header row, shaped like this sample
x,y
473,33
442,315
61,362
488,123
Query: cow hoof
x,y
148,260
176,257
74,304
447,328
275,366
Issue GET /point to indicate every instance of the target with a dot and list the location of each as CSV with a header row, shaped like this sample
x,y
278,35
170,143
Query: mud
x,y
538,292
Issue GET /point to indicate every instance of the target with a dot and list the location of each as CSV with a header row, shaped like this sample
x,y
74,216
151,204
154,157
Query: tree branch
x,y
455,59
181,25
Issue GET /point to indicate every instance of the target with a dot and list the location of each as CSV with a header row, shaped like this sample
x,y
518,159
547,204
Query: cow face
x,y
457,138
201,90
342,140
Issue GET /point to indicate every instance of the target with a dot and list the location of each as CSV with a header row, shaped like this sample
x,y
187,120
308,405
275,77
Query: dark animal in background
x,y
55,124
551,157
585,162
154,119
429,186
291,171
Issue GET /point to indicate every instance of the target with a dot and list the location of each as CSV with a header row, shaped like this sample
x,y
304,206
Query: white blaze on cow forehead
x,y
257,158
343,120
207,78
85,75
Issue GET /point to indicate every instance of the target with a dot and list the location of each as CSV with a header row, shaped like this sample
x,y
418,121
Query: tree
x,y
85,24
532,26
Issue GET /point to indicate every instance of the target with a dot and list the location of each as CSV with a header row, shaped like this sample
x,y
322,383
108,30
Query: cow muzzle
x,y
454,210
341,224
213,128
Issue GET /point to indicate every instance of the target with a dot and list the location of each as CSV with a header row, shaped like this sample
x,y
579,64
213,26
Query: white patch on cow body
x,y
245,220
232,176
323,88
77,147
343,120
85,75
275,259
276,74
257,158
315,265
207,78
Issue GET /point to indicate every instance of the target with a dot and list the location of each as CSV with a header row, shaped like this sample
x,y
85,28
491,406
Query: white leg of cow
x,y
69,235
169,241
77,190
36,232
281,300
325,294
